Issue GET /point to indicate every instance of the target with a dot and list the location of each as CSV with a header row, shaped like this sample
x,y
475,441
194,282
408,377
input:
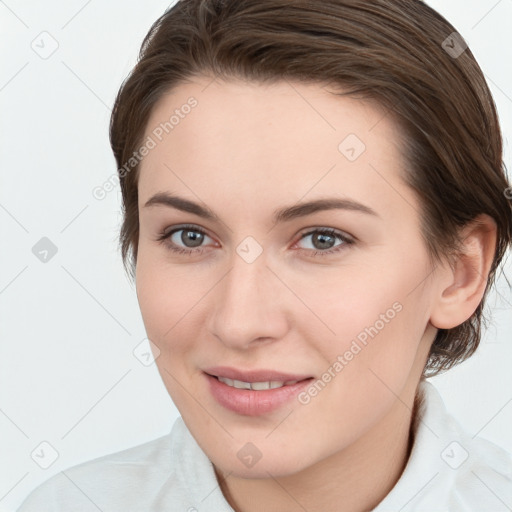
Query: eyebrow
x,y
282,215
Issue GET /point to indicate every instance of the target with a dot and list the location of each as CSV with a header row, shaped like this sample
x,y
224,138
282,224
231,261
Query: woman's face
x,y
342,295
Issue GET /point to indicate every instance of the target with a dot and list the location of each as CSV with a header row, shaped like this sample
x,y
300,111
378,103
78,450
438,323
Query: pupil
x,y
192,236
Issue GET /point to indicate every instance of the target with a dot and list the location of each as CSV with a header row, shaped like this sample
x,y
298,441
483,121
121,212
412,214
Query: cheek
x,y
378,322
161,296
165,303
374,315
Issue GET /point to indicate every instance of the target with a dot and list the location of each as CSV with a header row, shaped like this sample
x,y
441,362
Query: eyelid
x,y
326,229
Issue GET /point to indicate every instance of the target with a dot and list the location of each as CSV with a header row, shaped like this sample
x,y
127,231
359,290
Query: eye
x,y
323,240
189,235
188,239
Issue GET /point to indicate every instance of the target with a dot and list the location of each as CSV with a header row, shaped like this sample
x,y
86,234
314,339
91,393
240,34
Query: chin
x,y
275,465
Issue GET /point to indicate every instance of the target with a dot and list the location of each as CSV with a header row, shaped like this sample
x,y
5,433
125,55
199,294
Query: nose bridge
x,y
247,305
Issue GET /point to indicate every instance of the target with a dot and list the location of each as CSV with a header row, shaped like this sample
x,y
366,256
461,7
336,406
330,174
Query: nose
x,y
249,305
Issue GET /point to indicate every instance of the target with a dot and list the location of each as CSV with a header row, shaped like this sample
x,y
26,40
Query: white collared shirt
x,y
447,471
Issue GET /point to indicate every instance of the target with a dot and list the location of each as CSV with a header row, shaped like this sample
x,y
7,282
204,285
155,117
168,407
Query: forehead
x,y
273,139
264,116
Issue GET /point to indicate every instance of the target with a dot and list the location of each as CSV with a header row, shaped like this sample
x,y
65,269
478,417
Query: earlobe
x,y
461,287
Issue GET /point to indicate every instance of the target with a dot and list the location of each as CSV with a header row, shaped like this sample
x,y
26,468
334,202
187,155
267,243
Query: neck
x,y
355,479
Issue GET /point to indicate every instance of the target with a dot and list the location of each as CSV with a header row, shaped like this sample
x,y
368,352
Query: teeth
x,y
257,386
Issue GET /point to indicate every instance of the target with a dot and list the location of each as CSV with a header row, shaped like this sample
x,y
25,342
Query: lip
x,y
253,375
249,402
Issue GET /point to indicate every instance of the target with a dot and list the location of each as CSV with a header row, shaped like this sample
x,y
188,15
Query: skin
x,y
244,151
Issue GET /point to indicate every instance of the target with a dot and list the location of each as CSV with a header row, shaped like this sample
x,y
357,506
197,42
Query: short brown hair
x,y
393,51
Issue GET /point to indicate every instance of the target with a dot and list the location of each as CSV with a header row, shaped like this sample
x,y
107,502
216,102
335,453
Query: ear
x,y
462,285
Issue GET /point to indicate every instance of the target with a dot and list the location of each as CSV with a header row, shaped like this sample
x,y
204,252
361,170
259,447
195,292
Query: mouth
x,y
254,396
262,376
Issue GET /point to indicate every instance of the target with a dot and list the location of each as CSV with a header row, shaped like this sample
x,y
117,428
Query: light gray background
x,y
69,327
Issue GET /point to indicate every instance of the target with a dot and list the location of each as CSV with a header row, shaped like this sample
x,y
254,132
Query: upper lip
x,y
262,375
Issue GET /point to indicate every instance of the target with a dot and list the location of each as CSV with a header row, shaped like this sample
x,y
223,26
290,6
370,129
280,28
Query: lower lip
x,y
250,402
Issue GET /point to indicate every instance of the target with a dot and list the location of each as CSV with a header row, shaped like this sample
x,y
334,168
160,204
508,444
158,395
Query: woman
x,y
315,207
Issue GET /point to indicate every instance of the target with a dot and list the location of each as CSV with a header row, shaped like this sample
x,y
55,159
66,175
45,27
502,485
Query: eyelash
x,y
165,236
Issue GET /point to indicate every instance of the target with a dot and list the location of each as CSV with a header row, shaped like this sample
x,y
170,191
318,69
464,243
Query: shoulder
x,y
449,470
482,473
168,473
105,482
